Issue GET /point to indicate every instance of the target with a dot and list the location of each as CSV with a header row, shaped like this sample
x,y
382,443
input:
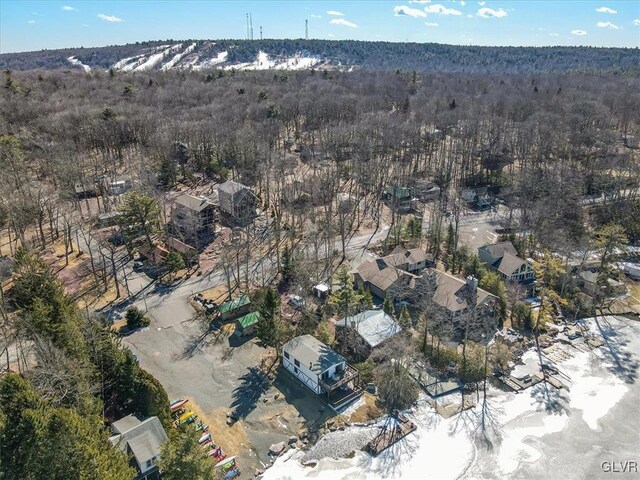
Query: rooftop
x,y
143,438
312,353
248,319
498,250
374,326
451,292
399,192
509,264
231,305
231,187
193,203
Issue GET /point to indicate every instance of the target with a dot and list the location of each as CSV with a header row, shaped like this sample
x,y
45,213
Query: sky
x,y
34,25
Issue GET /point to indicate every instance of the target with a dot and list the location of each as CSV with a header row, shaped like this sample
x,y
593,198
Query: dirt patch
x,y
369,410
217,294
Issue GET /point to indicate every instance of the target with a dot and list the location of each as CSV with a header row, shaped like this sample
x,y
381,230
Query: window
x,y
297,363
295,369
286,355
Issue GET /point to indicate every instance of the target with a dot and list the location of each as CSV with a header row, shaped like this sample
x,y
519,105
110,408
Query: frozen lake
x,y
540,433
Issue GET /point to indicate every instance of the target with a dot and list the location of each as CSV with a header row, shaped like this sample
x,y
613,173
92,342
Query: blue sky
x,y
34,25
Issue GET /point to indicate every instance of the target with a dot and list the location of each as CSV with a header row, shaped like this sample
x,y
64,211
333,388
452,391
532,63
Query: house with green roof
x,y
246,324
232,309
398,198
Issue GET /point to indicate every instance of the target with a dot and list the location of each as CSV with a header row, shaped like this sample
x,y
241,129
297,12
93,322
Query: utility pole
x,y
247,26
251,27
306,29
260,32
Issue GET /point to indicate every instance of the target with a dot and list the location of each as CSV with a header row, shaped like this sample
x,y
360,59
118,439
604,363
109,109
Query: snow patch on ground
x,y
220,58
177,57
77,63
297,63
120,64
156,58
263,61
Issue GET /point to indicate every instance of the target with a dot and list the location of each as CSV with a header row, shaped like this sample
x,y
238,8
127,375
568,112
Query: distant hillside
x,y
303,54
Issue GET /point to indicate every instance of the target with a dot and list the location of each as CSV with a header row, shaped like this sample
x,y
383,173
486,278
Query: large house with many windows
x,y
503,258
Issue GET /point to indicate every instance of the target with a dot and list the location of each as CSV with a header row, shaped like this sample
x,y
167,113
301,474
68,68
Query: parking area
x,y
220,375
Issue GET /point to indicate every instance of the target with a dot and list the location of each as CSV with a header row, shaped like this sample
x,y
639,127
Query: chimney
x,y
472,283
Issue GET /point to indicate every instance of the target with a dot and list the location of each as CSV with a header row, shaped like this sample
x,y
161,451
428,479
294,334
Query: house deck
x,y
390,436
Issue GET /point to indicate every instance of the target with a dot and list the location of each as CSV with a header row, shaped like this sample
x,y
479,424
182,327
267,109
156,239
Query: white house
x,y
142,439
320,368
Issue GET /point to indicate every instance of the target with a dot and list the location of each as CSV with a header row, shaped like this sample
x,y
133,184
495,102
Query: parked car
x,y
296,301
138,266
574,335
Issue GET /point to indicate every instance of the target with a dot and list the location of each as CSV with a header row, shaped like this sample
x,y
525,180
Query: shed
x,y
246,324
235,308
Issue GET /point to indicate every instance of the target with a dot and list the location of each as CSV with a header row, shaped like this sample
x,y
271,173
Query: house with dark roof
x,y
390,275
238,202
192,219
399,199
425,190
142,440
321,369
469,309
383,279
503,258
85,188
365,331
412,260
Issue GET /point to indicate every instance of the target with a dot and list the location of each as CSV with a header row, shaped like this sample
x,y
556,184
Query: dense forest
x,y
422,57
544,140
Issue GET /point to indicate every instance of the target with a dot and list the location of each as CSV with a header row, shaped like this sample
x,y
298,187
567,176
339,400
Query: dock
x,y
390,435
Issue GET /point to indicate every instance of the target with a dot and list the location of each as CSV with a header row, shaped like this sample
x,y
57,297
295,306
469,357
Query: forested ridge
x,y
427,57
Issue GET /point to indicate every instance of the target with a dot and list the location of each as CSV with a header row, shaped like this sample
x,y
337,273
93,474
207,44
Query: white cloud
x,y
67,8
487,12
554,34
580,33
482,4
431,24
335,13
401,11
331,35
469,16
606,10
343,22
608,25
441,10
420,1
109,18
636,22
316,16
31,22
463,3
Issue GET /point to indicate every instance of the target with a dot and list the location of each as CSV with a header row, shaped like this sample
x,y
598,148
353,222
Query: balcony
x,y
340,379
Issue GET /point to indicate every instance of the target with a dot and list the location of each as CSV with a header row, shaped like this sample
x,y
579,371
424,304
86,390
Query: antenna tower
x,y
306,29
